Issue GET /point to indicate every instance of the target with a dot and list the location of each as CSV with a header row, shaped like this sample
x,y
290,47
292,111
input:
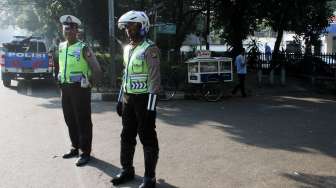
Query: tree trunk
x,y
308,49
237,41
236,23
178,21
278,41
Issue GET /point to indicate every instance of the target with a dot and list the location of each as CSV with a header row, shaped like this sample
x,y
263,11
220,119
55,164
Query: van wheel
x,y
6,83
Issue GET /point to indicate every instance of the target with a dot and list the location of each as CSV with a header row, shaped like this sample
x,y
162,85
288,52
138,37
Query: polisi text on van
x,y
32,55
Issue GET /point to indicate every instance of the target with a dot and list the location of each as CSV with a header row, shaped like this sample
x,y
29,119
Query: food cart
x,y
210,73
206,69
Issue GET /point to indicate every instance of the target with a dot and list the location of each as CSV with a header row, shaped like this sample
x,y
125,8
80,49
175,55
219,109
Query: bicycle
x,y
168,86
210,87
212,92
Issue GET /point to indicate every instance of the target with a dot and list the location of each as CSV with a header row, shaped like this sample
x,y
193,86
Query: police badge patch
x,y
76,53
141,56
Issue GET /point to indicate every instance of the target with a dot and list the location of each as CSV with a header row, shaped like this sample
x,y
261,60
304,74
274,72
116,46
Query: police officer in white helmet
x,y
137,99
78,66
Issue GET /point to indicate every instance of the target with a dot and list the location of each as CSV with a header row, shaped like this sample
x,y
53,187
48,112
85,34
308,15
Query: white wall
x,y
288,36
193,40
327,43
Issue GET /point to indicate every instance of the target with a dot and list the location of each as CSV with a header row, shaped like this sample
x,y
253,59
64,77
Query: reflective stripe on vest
x,y
72,65
136,69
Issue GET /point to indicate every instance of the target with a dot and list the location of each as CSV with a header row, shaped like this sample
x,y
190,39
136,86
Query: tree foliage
x,y
234,19
304,17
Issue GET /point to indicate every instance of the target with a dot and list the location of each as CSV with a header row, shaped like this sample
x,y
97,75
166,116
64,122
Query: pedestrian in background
x,y
78,67
138,98
268,52
240,63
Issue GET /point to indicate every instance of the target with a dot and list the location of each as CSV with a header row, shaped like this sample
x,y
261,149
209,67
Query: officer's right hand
x,y
119,109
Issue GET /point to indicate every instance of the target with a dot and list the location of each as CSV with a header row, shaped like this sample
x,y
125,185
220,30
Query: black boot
x,y
72,153
124,176
126,160
83,160
148,183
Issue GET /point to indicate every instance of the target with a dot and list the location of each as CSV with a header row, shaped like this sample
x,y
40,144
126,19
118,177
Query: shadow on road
x,y
296,122
112,171
312,181
36,88
103,166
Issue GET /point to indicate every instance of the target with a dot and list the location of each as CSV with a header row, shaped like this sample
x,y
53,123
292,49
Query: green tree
x,y
184,14
307,18
313,24
236,19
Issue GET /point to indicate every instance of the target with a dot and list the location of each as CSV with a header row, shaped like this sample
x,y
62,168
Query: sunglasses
x,y
68,26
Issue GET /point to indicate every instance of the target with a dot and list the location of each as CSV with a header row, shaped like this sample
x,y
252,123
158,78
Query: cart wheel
x,y
6,83
168,88
212,92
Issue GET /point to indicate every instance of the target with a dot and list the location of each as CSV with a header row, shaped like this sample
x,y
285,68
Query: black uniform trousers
x,y
240,85
137,120
76,104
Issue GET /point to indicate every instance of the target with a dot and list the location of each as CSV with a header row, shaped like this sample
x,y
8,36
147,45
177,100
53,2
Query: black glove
x,y
119,108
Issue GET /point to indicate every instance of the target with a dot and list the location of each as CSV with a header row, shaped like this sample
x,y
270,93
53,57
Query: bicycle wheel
x,y
168,88
212,92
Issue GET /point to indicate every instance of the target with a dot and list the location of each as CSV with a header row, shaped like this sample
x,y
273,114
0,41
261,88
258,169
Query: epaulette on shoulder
x,y
149,42
83,44
62,44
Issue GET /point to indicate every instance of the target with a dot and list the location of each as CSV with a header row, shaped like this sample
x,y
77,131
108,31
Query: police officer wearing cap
x,y
78,67
137,98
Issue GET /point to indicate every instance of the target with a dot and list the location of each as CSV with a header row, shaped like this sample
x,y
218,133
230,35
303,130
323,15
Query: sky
x,y
6,35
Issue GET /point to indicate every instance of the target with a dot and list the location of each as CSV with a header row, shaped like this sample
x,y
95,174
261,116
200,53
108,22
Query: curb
x,y
113,96
180,95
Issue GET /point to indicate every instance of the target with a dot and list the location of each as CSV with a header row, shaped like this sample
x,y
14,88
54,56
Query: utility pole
x,y
112,44
207,30
154,20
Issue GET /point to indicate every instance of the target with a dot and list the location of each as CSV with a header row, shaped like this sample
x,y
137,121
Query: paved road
x,y
269,140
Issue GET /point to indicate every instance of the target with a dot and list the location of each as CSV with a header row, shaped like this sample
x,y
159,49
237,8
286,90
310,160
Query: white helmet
x,y
134,16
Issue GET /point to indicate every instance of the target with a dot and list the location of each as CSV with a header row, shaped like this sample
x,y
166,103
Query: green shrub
x,y
104,60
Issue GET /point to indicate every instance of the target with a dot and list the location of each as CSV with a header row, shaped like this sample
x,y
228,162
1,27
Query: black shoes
x,y
83,159
128,175
123,177
148,183
71,154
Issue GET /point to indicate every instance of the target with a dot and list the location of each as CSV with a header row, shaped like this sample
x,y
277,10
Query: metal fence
x,y
323,64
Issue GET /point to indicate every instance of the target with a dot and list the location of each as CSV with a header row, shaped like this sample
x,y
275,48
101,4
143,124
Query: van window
x,y
31,46
36,47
